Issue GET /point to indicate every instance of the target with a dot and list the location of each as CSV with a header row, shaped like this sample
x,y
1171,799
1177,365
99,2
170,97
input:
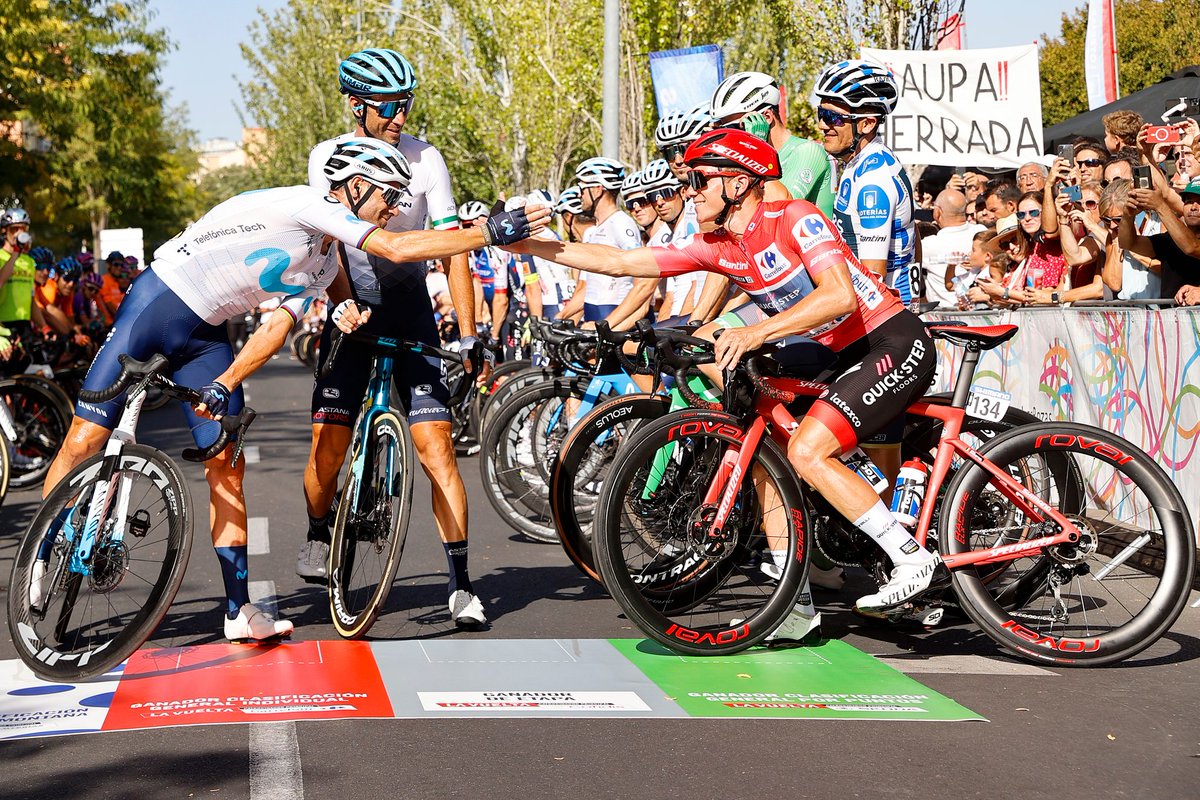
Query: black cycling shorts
x,y
419,380
876,379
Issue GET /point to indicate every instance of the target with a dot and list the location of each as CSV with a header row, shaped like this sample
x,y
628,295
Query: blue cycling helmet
x,y
859,86
43,257
376,71
68,269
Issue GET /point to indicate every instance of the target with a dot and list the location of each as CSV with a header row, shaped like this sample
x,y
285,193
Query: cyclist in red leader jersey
x,y
805,280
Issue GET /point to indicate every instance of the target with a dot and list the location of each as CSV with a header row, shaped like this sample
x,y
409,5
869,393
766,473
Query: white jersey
x,y
948,246
258,246
427,202
679,285
618,230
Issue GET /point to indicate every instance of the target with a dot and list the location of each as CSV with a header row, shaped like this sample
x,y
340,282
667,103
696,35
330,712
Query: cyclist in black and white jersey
x,y
380,86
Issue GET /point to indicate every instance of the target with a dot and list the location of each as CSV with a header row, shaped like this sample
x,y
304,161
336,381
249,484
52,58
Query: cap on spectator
x,y
1193,187
1006,230
115,256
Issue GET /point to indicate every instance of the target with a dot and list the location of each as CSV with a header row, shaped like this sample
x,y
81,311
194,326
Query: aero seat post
x,y
966,374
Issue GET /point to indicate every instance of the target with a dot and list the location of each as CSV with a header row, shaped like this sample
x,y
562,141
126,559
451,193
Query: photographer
x,y
1178,248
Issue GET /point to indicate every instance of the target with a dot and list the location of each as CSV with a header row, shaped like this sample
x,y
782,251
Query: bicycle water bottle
x,y
910,491
862,466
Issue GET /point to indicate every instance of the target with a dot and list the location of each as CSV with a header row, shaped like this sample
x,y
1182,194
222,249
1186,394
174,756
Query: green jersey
x,y
16,295
808,173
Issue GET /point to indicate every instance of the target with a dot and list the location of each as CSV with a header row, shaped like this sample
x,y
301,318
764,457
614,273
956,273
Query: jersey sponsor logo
x,y
773,214
898,378
735,265
423,390
868,293
772,263
331,393
843,197
873,206
806,176
271,278
811,231
833,399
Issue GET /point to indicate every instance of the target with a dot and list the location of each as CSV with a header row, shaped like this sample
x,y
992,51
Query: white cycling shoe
x,y
252,624
801,625
312,561
467,610
907,581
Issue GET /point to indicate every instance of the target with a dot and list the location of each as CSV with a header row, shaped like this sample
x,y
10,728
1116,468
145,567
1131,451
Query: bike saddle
x,y
983,337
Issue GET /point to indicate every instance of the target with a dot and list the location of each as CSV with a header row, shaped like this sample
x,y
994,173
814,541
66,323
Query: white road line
x,y
275,770
262,594
258,542
960,665
251,454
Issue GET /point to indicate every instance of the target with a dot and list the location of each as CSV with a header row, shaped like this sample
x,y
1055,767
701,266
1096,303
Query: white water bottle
x,y
862,466
910,491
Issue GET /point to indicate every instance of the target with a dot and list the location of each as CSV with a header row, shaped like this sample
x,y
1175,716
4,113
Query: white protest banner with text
x,y
964,108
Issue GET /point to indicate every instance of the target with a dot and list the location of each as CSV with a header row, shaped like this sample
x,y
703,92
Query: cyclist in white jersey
x,y
380,85
665,193
599,181
874,208
270,244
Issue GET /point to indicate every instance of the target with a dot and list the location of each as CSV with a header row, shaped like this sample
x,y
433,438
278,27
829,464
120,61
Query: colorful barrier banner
x,y
685,78
1135,372
582,678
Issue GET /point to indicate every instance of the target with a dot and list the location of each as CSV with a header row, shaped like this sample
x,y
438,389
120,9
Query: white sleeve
x,y
443,213
625,234
331,218
316,165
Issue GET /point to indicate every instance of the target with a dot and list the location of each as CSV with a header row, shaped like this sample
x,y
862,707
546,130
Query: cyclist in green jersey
x,y
17,268
752,100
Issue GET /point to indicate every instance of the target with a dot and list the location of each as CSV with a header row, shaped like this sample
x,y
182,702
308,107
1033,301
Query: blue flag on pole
x,y
683,79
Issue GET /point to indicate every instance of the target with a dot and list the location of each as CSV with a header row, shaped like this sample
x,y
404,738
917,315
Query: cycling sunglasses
x,y
835,119
636,203
391,195
654,195
1033,212
698,180
388,109
672,152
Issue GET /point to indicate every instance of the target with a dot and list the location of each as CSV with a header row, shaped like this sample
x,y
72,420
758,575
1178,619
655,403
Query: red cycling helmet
x,y
733,148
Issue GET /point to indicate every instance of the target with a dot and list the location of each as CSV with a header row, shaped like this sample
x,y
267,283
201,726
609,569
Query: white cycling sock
x,y
780,558
804,602
894,538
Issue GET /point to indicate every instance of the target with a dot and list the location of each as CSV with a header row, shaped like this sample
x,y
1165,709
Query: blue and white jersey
x,y
874,213
258,246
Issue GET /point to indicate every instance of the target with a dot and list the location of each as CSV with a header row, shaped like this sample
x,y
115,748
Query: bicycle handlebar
x,y
150,371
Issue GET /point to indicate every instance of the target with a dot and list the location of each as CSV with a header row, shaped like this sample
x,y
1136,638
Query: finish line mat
x,y
548,678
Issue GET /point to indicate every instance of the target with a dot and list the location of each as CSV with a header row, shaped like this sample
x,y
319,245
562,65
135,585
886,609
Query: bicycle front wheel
x,y
1097,601
371,524
697,591
75,621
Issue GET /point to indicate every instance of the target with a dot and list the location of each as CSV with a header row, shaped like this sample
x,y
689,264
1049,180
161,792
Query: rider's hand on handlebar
x,y
465,346
349,317
215,397
736,342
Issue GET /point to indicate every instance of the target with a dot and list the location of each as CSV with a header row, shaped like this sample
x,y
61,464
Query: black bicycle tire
x,y
357,625
66,402
54,420
163,594
499,399
1160,611
575,541
5,467
638,608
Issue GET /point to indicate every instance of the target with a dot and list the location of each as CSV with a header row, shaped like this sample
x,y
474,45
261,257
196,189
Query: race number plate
x,y
989,404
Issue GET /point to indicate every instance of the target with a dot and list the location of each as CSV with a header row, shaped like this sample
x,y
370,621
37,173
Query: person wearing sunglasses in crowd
x,y
1127,275
1090,157
1082,238
379,85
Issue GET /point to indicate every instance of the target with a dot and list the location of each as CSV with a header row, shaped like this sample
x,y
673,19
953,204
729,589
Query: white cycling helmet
x,y
859,86
743,93
569,201
472,209
515,202
607,173
682,127
540,197
370,158
631,187
658,175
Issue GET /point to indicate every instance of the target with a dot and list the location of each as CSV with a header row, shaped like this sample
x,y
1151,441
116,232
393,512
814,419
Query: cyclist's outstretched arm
x,y
402,246
598,258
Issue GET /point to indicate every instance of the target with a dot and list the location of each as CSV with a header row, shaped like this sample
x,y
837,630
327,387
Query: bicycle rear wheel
x,y
1100,600
41,426
371,525
693,592
81,626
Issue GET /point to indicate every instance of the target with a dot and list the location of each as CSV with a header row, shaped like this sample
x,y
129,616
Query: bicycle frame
x,y
376,401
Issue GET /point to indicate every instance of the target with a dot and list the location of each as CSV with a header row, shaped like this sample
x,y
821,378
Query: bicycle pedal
x,y
931,617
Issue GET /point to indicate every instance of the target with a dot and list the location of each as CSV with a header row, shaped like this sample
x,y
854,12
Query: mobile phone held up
x,y
1073,193
1182,107
1141,177
1163,134
1067,153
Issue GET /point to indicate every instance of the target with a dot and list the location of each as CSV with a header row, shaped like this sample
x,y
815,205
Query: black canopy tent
x,y
1149,102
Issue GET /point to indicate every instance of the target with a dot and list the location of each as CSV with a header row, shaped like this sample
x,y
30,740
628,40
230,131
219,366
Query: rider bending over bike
x,y
790,260
275,243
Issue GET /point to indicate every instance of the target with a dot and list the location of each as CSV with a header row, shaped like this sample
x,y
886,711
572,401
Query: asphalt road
x,y
1127,731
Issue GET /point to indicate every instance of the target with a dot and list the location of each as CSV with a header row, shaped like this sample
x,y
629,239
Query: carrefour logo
x,y
771,263
874,208
813,226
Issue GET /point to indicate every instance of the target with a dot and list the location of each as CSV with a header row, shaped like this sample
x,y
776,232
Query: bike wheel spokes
x,y
370,527
1114,591
691,588
74,616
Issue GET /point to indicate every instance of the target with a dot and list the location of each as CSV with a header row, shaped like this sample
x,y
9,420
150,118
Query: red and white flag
x,y
951,33
1100,54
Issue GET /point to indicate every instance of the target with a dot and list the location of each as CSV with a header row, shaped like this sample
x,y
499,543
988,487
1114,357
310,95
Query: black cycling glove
x,y
216,398
507,227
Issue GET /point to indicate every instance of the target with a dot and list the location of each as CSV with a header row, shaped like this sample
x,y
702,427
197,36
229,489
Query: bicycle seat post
x,y
966,374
